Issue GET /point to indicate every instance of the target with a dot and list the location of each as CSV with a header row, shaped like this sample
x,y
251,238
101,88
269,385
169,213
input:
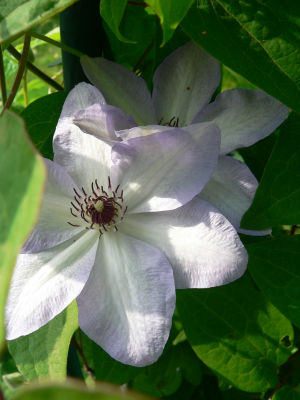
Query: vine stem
x,y
86,367
286,376
22,65
36,71
144,55
61,45
2,78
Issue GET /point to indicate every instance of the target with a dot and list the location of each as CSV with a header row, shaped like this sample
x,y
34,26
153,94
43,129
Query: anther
x,y
73,205
78,195
74,215
77,226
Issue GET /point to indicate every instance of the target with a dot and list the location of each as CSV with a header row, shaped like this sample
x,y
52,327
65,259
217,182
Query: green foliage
x,y
236,332
274,265
170,13
255,39
41,118
18,16
287,393
44,353
73,390
278,196
112,13
22,175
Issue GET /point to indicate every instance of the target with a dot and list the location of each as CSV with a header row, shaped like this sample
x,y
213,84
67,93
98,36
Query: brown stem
x,y
1,395
86,367
144,55
2,78
22,65
293,230
287,375
35,70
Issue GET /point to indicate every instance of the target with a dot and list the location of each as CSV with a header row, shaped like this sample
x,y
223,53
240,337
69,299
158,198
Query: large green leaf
x,y
274,265
22,176
287,393
44,353
73,390
18,16
236,332
255,38
278,196
170,13
112,13
41,118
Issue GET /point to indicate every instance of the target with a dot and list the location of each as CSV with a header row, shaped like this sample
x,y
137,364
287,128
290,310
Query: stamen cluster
x,y
102,210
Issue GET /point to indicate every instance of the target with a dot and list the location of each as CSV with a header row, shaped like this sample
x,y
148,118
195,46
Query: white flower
x,y
119,229
182,88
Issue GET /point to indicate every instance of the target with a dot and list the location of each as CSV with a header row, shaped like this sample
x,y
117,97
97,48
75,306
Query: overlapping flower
x,y
124,220
182,88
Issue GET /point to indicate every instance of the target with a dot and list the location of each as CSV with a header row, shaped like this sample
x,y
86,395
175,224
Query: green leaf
x,y
274,265
112,12
278,196
255,38
74,390
287,393
105,367
22,176
170,13
43,353
236,332
41,118
257,155
18,16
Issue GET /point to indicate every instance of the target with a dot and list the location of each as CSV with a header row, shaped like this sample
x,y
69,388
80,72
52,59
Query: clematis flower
x,y
182,88
120,228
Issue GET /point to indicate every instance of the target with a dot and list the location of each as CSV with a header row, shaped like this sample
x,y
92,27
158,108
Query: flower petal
x,y
184,83
81,96
127,304
200,243
244,117
83,156
103,121
121,88
52,227
231,189
164,170
45,283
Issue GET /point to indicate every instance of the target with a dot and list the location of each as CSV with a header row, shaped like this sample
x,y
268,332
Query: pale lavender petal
x,y
164,170
121,88
127,304
84,157
103,121
45,283
184,83
244,117
81,96
231,189
52,227
202,246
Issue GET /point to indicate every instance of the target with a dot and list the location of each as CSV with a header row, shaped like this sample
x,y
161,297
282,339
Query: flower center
x,y
173,122
102,209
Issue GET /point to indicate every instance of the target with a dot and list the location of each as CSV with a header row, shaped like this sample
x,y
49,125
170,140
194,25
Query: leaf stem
x,y
61,45
2,78
144,55
86,367
22,65
36,71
